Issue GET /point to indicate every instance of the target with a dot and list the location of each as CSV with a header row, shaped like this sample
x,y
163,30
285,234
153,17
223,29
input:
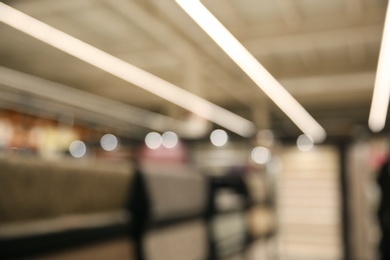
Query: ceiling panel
x,y
317,49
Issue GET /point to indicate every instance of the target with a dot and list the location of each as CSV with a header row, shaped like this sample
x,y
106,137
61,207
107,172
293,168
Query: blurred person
x,y
383,181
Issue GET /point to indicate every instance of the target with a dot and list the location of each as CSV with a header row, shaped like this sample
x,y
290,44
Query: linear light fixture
x,y
35,106
125,71
380,98
253,69
81,99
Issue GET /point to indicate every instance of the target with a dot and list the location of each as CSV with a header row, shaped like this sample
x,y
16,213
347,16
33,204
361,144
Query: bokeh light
x,y
219,137
305,143
109,142
153,140
169,139
77,149
261,155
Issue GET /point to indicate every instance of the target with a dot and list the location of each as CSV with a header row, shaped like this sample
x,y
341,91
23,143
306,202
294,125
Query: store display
x,y
240,214
262,221
51,207
117,249
184,241
229,233
56,209
39,189
174,191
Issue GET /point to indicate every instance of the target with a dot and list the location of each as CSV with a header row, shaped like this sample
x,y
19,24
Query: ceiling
x,y
324,53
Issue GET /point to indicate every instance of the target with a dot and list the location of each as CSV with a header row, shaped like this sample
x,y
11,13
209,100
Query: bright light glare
x,y
253,69
305,143
125,71
153,140
109,142
380,99
77,149
219,137
169,139
261,155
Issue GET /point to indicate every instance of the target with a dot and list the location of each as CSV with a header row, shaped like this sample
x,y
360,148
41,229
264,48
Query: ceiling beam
x,y
290,13
319,23
354,9
151,26
356,53
326,89
180,47
330,84
43,8
182,25
225,8
318,40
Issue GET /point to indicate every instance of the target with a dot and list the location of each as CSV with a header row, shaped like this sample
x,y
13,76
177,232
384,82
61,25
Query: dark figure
x,y
384,211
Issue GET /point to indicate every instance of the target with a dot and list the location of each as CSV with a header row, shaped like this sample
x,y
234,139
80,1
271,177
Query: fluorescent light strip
x,y
125,71
380,99
253,69
85,100
35,106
